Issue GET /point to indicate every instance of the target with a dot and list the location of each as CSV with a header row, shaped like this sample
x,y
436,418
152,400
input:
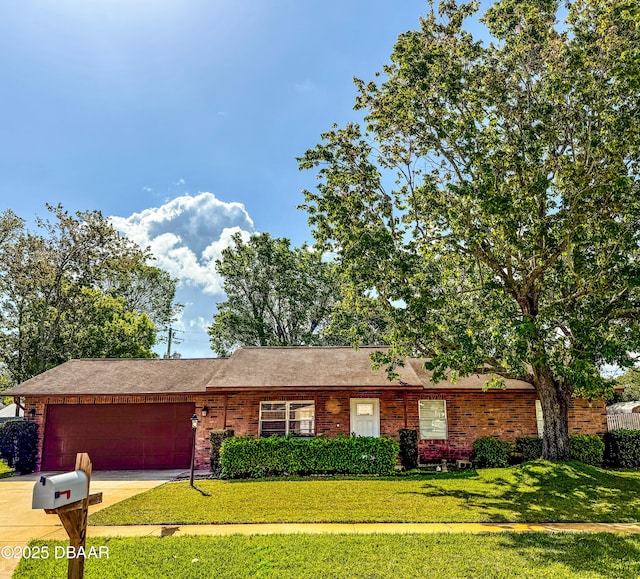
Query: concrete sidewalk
x,y
19,535
355,528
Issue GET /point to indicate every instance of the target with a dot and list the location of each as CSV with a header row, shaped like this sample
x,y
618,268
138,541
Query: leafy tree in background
x,y
103,327
149,290
276,296
72,289
491,203
5,383
630,381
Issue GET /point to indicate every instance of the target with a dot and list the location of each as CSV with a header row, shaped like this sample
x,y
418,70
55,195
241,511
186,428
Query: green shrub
x,y
216,438
622,448
529,447
408,448
19,445
491,452
247,457
587,448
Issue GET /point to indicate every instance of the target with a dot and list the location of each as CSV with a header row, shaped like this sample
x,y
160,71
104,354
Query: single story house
x,y
136,414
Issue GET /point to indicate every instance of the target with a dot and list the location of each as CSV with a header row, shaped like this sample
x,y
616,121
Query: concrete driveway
x,y
19,524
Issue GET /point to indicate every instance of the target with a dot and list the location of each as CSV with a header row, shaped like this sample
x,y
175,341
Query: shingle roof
x,y
319,367
122,376
247,368
472,382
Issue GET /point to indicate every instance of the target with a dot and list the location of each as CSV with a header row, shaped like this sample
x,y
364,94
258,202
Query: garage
x,y
118,436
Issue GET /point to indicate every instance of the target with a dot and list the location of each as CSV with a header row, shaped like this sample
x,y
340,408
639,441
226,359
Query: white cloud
x,y
186,235
199,323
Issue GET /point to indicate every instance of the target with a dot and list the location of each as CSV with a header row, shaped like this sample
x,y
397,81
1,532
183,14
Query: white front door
x,y
365,416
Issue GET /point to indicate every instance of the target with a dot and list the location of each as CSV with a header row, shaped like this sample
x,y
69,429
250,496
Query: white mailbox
x,y
59,490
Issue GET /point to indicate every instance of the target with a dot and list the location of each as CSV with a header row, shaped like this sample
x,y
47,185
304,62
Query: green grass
x,y
541,556
534,492
5,471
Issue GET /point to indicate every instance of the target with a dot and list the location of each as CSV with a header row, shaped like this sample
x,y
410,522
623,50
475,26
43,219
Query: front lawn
x,y
534,492
606,556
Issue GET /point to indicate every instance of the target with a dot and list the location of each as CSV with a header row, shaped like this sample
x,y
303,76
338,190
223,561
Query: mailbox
x,y
59,490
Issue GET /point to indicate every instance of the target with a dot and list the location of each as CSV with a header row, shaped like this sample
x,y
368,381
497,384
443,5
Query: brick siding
x,y
470,414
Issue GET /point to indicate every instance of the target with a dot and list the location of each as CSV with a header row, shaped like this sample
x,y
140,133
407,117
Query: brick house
x,y
136,414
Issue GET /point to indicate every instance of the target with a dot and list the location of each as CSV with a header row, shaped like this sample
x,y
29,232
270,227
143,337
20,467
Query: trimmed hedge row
x,y
248,457
491,452
622,448
587,448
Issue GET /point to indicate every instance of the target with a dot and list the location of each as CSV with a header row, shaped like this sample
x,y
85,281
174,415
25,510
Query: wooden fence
x,y
623,421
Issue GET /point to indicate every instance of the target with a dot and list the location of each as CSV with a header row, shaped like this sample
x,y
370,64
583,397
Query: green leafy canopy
x,y
491,202
276,295
74,288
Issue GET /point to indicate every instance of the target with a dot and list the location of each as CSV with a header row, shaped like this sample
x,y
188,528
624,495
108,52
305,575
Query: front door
x,y
365,417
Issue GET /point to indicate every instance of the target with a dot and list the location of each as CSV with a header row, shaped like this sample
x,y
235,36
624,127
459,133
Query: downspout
x,y
315,414
404,396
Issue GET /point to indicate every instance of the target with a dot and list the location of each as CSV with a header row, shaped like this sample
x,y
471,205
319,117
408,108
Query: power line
x,y
171,338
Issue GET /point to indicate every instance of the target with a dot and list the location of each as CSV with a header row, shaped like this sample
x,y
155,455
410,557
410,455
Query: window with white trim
x,y
295,417
539,418
433,419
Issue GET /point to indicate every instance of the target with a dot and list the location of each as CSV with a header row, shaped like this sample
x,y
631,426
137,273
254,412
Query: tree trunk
x,y
555,410
554,396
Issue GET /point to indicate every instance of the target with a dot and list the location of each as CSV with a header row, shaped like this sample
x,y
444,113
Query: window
x,y
364,409
296,417
433,419
539,418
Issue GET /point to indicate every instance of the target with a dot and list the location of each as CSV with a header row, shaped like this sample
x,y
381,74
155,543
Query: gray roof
x,y
631,407
10,411
248,368
122,376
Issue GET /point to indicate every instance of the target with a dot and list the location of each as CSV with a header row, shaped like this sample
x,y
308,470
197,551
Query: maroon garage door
x,y
118,436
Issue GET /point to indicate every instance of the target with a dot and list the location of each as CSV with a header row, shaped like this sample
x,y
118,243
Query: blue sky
x,y
181,119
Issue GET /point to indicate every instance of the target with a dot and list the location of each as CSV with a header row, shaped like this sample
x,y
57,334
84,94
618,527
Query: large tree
x,y
491,201
150,290
71,288
276,295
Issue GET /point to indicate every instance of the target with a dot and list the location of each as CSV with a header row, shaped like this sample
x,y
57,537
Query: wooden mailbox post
x,y
74,520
